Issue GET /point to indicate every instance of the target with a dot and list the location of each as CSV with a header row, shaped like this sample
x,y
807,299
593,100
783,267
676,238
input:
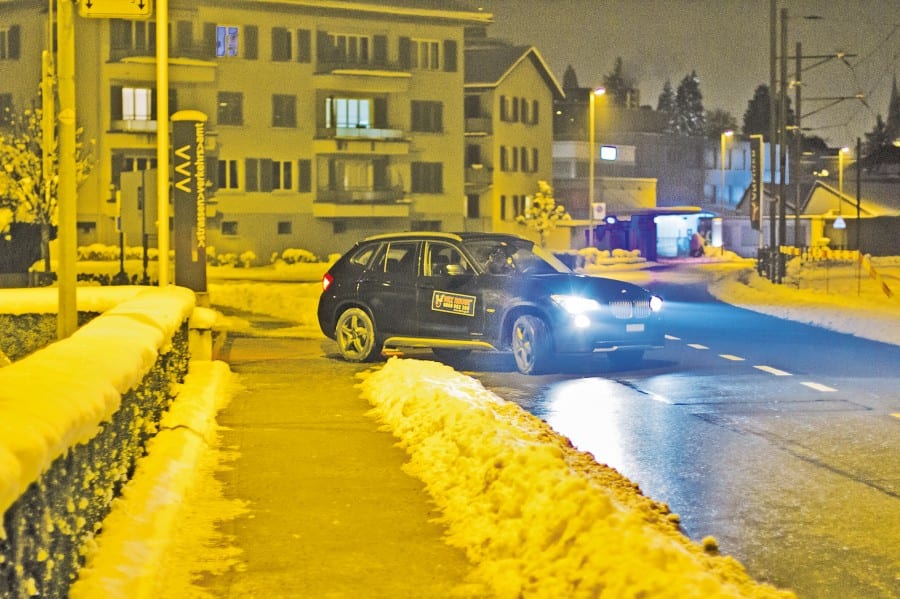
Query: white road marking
x,y
697,346
819,387
673,338
771,370
732,358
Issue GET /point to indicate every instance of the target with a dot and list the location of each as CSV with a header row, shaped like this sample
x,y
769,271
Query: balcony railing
x,y
359,195
133,126
479,125
360,133
329,66
479,175
199,50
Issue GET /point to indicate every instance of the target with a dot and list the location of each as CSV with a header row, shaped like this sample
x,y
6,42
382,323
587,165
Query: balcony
x,y
478,175
361,203
360,140
133,126
479,126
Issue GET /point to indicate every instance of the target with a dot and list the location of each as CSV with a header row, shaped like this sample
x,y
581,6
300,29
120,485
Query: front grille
x,y
624,309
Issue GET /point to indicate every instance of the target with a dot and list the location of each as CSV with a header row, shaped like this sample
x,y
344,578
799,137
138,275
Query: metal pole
x,y
67,318
798,133
773,52
591,158
782,146
162,138
858,223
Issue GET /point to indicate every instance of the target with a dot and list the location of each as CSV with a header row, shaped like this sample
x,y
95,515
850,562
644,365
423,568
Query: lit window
x,y
226,40
137,103
353,113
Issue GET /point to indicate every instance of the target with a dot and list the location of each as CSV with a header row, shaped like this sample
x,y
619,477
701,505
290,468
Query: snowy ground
x,y
547,505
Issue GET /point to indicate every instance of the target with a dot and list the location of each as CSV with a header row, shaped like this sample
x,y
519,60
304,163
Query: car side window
x,y
438,256
397,258
363,255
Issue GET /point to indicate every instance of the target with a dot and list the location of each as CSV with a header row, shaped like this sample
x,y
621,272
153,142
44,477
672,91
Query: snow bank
x,y
136,533
537,517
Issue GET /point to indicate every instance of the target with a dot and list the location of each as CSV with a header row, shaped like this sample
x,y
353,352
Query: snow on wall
x,y
58,396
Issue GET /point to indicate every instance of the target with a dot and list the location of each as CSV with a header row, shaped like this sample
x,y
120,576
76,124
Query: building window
x,y
472,107
356,49
229,227
133,36
427,116
231,108
282,175
281,44
427,177
284,111
226,41
426,54
285,227
228,174
10,43
352,113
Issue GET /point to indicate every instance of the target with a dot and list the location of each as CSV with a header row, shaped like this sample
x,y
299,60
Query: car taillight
x,y
326,281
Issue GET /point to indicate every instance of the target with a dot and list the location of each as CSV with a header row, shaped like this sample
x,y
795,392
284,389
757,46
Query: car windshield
x,y
510,256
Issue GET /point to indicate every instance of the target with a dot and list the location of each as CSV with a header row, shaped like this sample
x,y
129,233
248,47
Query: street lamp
x,y
725,134
592,151
839,221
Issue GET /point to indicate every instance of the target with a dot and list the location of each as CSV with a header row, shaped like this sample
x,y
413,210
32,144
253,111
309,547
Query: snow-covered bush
x,y
297,256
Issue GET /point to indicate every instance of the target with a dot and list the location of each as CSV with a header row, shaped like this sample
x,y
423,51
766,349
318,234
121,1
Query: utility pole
x,y
162,139
67,319
782,152
773,166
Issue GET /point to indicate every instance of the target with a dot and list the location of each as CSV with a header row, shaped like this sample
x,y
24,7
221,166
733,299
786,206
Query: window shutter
x,y
281,44
251,174
265,174
251,42
184,35
323,47
173,101
153,112
450,56
304,45
438,116
380,50
115,102
380,113
14,42
405,59
119,34
209,39
304,175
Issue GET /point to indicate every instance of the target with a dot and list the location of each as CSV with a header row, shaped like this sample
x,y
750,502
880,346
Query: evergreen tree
x,y
719,121
756,117
690,118
570,80
666,105
619,87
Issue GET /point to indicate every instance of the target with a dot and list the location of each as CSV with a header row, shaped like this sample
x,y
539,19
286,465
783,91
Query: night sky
x,y
726,42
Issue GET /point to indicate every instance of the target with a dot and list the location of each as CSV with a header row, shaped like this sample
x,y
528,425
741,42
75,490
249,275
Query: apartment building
x,y
509,96
328,120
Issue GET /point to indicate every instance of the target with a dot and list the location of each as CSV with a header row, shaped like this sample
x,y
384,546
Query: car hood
x,y
600,288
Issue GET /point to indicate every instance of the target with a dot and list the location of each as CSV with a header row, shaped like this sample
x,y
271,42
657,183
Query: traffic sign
x,y
115,9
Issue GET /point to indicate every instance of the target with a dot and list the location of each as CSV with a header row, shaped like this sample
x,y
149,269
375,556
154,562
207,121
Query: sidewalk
x,y
330,511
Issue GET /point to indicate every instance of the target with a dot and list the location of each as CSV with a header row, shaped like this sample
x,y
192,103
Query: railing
x,y
360,133
360,195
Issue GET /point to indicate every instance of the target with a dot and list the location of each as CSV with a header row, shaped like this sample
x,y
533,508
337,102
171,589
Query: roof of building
x,y
488,66
460,9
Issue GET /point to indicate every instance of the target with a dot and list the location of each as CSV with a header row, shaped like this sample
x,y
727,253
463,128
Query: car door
x,y
450,304
388,287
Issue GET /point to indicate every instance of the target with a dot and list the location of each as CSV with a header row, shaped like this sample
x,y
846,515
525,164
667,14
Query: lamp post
x,y
839,221
592,151
725,135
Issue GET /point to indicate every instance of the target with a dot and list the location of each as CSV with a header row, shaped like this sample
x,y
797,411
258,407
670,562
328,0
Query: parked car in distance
x,y
458,292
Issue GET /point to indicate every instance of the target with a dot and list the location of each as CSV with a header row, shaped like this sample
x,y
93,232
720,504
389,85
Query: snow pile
x,y
125,560
73,385
537,517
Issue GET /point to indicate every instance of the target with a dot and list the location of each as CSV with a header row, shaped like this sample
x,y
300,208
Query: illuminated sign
x,y
609,153
453,303
189,198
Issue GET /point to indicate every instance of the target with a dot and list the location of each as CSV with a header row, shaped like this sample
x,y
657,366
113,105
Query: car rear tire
x,y
531,345
356,337
626,359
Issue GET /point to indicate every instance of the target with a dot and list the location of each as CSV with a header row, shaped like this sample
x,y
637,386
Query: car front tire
x,y
356,337
531,345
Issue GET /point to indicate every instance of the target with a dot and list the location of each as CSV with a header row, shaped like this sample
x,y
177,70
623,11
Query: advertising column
x,y
189,198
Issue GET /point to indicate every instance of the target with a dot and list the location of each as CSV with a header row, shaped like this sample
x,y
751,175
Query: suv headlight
x,y
656,303
574,304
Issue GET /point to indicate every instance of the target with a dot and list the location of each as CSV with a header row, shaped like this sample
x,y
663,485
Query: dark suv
x,y
457,292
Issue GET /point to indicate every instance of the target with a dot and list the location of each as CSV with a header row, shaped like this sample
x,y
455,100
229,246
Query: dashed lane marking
x,y
819,387
732,358
697,346
771,370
